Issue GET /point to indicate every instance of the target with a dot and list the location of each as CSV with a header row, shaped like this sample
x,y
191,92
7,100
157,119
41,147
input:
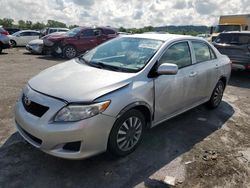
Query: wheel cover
x,y
70,52
218,93
129,133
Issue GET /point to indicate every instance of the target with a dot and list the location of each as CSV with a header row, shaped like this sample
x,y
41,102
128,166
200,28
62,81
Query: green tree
x,y
122,29
7,22
38,25
28,24
21,24
73,26
54,23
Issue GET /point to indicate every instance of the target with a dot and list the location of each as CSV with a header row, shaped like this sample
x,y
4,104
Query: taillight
x,y
248,66
5,32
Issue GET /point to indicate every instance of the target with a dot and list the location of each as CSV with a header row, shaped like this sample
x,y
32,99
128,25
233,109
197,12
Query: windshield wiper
x,y
106,66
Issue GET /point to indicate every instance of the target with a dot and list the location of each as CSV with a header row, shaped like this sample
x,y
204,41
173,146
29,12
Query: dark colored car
x,y
236,45
12,30
78,40
3,31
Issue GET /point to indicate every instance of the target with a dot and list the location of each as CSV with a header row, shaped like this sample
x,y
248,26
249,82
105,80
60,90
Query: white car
x,y
36,46
22,38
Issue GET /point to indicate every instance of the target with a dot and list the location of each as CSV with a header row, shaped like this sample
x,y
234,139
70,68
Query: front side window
x,y
88,33
178,54
201,51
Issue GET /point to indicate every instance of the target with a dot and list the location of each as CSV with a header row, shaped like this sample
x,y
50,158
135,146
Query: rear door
x,y
207,68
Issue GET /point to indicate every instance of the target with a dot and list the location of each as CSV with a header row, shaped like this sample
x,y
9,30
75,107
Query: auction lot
x,y
201,148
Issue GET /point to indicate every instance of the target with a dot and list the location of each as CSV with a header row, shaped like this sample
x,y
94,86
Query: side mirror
x,y
17,35
167,69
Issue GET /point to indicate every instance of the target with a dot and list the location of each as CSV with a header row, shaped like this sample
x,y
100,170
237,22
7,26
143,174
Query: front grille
x,y
33,107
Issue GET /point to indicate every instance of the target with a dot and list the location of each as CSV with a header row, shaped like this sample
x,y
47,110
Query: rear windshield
x,y
233,38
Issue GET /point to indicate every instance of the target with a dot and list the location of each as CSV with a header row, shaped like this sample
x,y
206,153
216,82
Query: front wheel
x,y
69,52
217,95
126,133
13,43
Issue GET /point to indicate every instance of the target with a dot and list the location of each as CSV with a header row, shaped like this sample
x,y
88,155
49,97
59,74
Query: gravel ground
x,y
200,148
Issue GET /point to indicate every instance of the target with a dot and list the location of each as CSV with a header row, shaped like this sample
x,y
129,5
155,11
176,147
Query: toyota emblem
x,y
27,102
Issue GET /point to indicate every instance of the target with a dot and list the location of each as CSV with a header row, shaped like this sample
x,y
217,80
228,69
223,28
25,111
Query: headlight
x,y
79,112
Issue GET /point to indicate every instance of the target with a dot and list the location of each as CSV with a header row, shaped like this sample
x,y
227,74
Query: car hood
x,y
57,37
36,41
76,82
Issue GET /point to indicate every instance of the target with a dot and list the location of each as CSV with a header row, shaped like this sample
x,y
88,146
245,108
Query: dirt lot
x,y
200,148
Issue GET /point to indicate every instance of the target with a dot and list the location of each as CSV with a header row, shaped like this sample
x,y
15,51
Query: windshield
x,y
123,54
73,32
16,33
222,28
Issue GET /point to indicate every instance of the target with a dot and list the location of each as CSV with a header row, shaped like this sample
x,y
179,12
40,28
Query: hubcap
x,y
129,133
218,94
70,52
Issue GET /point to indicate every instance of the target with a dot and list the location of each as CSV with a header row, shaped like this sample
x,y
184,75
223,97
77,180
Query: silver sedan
x,y
106,98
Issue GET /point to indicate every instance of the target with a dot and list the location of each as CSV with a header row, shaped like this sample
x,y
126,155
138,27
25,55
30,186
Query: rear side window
x,y
25,34
233,38
178,54
202,52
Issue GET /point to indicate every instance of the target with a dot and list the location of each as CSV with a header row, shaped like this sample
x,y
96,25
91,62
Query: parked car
x,y
49,30
3,31
36,46
105,98
11,30
4,42
21,38
78,40
236,45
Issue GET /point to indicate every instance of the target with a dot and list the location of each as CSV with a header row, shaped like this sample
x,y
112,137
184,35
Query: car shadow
x,y
3,53
240,79
21,165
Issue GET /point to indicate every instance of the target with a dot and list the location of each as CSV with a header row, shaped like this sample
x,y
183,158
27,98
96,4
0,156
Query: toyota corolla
x,y
107,97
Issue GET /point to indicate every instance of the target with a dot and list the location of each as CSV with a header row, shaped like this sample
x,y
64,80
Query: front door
x,y
173,93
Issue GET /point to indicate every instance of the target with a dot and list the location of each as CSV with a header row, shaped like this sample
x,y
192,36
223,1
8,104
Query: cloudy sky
x,y
126,13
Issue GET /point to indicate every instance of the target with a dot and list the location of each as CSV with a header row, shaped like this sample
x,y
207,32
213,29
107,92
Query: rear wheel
x,y
126,133
13,43
69,52
0,49
217,95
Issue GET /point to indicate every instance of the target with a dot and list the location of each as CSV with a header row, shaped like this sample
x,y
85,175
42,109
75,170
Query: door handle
x,y
192,74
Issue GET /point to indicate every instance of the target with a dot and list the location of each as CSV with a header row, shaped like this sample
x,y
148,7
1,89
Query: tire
x,y
126,133
13,43
69,52
0,49
217,95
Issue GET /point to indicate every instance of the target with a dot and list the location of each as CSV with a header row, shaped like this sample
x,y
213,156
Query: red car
x,y
78,40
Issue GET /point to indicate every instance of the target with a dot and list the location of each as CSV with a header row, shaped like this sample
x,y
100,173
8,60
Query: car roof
x,y
28,31
164,37
58,28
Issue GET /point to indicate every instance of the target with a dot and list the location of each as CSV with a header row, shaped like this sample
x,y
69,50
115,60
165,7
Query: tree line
x,y
26,24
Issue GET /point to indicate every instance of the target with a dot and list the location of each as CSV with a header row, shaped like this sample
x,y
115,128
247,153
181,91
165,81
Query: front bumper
x,y
38,49
92,134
